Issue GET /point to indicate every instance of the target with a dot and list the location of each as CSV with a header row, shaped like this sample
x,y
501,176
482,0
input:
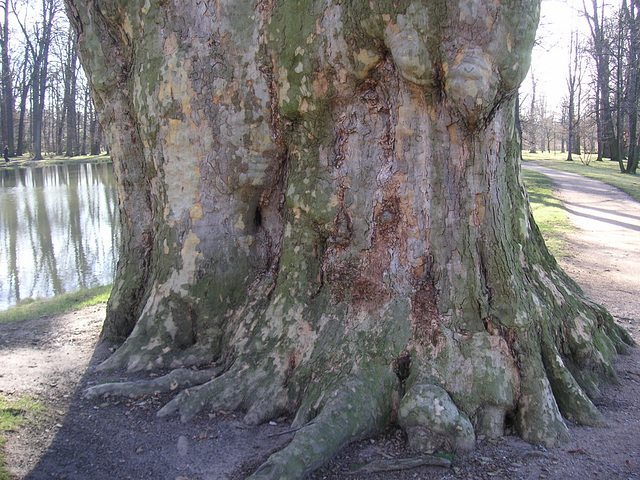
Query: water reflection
x,y
58,230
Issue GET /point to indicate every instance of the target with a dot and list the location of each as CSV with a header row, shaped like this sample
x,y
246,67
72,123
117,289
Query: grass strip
x,y
548,212
67,302
14,414
606,171
50,159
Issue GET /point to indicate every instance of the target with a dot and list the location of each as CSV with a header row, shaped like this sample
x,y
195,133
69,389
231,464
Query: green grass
x,y
549,213
14,414
26,160
540,156
67,302
605,171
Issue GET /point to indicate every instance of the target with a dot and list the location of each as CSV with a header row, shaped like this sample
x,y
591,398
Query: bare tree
x,y
85,119
631,13
533,118
8,101
95,131
38,38
601,45
574,85
24,84
547,124
70,95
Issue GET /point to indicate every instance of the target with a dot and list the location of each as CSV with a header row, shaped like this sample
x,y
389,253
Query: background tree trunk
x,y
95,139
24,85
325,200
600,50
632,17
70,98
533,120
8,102
39,43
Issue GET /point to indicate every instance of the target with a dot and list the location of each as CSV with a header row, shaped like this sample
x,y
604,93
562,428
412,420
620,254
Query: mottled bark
x,y
325,199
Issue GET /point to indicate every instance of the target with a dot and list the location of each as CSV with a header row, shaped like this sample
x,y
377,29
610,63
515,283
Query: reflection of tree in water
x,y
60,230
74,233
46,265
9,221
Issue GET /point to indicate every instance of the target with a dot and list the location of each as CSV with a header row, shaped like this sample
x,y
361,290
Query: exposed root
x,y
359,408
538,418
622,339
176,380
570,397
138,353
254,389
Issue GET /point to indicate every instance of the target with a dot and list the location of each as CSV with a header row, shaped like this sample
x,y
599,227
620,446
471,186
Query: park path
x,y
607,239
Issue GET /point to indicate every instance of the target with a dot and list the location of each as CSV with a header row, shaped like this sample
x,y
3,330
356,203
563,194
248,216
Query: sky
x,y
550,60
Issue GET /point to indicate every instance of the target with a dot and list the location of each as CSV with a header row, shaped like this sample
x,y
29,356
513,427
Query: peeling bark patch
x,y
425,314
549,284
369,293
477,216
387,219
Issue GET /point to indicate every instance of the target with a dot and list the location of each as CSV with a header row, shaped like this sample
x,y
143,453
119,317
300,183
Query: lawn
x,y
13,414
605,171
62,303
549,213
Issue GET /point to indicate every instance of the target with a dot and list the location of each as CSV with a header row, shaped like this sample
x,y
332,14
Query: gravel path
x,y
604,251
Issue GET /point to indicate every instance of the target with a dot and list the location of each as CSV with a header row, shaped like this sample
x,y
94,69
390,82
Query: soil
x,y
52,359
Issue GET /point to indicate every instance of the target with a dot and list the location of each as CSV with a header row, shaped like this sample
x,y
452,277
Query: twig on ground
x,y
291,430
394,464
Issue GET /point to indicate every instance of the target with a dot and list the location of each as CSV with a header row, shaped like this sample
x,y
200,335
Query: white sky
x,y
550,62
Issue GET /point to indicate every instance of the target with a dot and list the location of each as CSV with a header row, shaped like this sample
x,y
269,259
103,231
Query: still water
x,y
59,230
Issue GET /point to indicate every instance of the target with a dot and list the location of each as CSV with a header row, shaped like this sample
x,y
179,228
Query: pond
x,y
59,230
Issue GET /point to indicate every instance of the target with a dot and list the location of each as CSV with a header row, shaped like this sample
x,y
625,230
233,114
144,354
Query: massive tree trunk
x,y
325,200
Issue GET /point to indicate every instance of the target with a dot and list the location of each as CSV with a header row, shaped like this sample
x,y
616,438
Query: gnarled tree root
x,y
573,402
359,407
256,389
179,379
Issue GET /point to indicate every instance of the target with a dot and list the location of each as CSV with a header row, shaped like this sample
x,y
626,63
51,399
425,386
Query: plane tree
x,y
323,217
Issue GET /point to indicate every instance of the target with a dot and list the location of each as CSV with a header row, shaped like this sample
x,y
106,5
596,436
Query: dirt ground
x,y
51,358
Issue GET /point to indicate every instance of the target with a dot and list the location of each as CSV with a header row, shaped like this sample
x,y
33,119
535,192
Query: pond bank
x,y
26,161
